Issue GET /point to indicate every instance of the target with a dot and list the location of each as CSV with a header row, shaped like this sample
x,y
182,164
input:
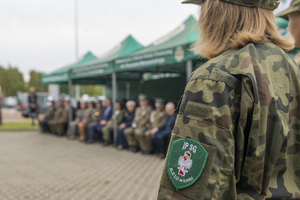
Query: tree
x,y
35,81
11,81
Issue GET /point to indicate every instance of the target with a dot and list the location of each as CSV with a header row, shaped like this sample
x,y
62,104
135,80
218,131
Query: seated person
x,y
161,136
57,115
157,120
121,140
48,116
87,117
119,116
102,122
59,125
96,115
73,125
141,122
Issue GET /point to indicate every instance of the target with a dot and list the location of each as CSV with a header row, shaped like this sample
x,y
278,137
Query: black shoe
x,y
106,143
101,141
146,152
134,149
88,142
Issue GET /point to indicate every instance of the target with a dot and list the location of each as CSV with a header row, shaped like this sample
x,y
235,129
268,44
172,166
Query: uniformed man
x,y
157,120
292,13
119,116
59,126
96,115
237,135
140,123
80,114
87,117
57,115
47,117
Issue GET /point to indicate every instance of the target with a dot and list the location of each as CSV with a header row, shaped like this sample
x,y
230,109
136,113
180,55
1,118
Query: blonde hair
x,y
227,26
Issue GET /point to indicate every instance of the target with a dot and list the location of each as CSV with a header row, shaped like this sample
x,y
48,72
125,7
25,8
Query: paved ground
x,y
37,166
12,115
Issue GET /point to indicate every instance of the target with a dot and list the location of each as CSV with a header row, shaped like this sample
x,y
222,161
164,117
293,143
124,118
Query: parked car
x,y
23,105
10,102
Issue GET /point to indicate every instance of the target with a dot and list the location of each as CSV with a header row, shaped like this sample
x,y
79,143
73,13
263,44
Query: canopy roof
x,y
172,48
62,75
104,64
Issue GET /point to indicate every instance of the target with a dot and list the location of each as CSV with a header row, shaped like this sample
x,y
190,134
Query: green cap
x,y
266,4
294,7
142,97
159,101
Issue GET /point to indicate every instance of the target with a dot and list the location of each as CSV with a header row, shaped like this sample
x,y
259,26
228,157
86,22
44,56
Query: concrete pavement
x,y
38,167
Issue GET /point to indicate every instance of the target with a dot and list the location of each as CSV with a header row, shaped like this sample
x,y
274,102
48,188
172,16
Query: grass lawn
x,y
18,126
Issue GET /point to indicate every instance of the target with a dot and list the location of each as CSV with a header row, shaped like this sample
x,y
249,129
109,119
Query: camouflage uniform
x,y
157,119
243,107
142,120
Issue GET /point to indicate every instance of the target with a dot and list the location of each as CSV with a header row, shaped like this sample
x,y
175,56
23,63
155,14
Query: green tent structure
x,y
93,72
62,75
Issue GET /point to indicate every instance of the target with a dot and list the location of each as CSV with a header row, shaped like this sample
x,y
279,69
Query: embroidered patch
x,y
97,114
186,162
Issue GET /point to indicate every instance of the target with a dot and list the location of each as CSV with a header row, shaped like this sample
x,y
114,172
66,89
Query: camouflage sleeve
x,y
208,115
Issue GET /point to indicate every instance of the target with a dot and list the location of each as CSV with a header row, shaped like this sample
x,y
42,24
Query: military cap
x,y
266,4
294,7
159,101
142,97
97,101
67,98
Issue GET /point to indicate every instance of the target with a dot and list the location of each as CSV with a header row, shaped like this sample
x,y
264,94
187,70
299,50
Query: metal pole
x,y
189,69
114,98
76,30
70,94
127,90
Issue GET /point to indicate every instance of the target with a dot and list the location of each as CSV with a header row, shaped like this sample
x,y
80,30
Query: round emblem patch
x,y
186,162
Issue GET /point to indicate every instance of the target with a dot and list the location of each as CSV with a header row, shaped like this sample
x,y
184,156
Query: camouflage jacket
x,y
243,107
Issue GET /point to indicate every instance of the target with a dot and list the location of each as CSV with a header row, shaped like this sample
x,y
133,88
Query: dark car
x,y
23,105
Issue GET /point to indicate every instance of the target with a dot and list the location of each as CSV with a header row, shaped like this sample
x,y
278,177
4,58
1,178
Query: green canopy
x,y
104,64
62,75
170,49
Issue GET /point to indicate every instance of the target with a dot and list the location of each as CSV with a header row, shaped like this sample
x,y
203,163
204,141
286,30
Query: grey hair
x,y
170,105
130,102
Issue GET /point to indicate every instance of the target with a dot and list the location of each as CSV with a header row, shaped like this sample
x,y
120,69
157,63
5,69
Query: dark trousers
x,y
44,125
121,139
95,129
161,140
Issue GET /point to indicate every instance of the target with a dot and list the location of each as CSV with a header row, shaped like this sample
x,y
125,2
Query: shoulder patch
x,y
186,161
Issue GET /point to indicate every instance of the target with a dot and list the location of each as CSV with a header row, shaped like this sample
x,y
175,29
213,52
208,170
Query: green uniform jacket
x,y
88,114
58,113
157,118
96,115
243,107
50,112
142,116
65,115
120,117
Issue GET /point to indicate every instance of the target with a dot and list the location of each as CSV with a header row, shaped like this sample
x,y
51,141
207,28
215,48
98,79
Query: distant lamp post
x,y
76,29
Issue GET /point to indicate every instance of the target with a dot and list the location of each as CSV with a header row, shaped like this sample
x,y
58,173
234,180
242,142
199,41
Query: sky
x,y
39,34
